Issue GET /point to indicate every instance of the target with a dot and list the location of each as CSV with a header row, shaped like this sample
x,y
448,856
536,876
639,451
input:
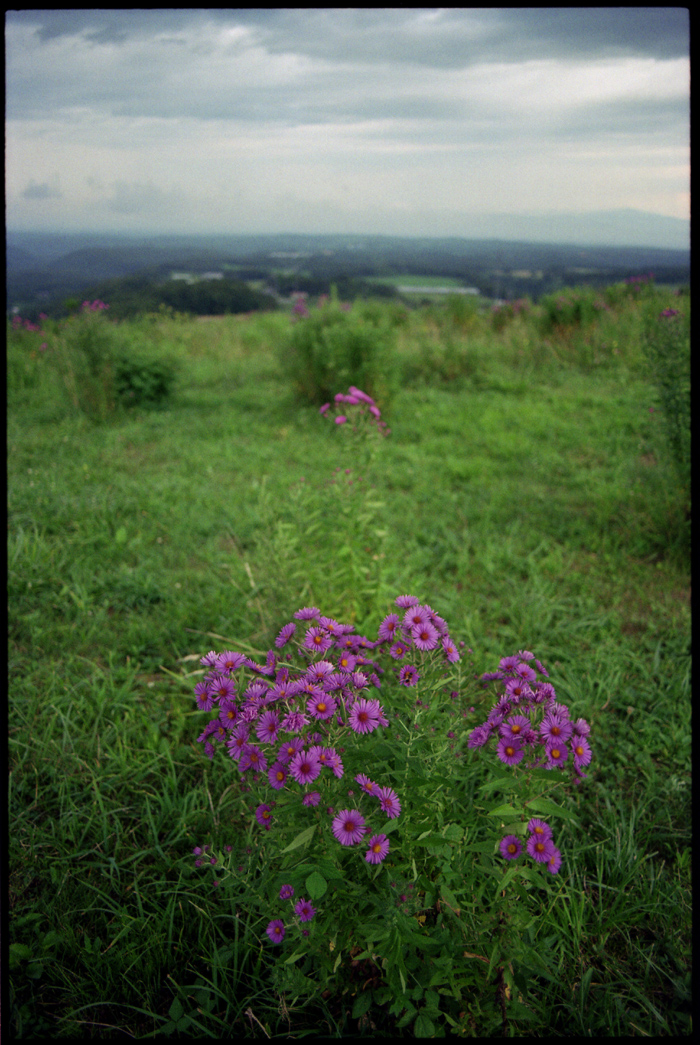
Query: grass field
x,y
525,490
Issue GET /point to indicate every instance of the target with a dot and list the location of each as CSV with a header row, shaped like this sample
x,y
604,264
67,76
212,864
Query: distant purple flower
x,y
399,650
510,847
348,827
510,751
308,613
285,634
263,814
582,752
540,828
304,911
364,715
557,754
367,785
229,661
405,601
425,636
340,419
514,727
286,892
304,767
321,706
267,727
252,758
539,849
277,775
554,861
408,675
387,629
312,798
378,849
317,639
276,931
389,801
450,649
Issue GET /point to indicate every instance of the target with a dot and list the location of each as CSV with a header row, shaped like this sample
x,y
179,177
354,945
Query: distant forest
x,y
52,274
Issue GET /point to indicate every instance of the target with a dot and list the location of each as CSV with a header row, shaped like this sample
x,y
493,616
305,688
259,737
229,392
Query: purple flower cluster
x,y
303,909
362,407
527,721
539,846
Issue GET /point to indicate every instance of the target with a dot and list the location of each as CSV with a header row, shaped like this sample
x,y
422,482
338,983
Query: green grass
x,y
526,494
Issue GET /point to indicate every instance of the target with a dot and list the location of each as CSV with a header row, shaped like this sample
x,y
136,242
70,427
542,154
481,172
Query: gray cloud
x,y
42,191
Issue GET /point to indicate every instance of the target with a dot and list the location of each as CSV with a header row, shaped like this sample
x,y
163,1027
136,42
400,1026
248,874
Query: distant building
x,y
437,290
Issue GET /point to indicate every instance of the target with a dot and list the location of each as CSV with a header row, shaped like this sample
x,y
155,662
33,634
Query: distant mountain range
x,y
505,256
612,228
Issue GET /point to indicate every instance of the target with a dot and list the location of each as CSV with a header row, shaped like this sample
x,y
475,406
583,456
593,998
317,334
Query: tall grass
x,y
526,489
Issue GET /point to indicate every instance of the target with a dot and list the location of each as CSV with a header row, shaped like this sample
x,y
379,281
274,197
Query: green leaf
x,y
176,1011
453,832
424,1026
19,952
362,1004
316,885
505,810
547,808
301,839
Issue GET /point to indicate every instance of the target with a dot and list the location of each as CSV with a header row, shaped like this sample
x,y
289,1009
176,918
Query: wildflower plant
x,y
381,817
353,773
667,351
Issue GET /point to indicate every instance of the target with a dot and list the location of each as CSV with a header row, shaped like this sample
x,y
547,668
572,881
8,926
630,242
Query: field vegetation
x,y
173,488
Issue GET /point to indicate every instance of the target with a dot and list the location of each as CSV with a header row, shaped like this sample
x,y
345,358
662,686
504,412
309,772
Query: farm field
x,y
531,487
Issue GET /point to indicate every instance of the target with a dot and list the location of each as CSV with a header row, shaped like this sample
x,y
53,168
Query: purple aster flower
x,y
525,672
294,721
540,828
364,715
229,661
336,764
415,616
277,775
238,741
347,661
425,636
399,650
378,849
312,798
581,728
367,785
317,639
286,892
408,675
510,751
276,931
228,713
308,613
209,659
340,419
450,649
389,801
478,736
557,754
304,911
267,727
387,629
263,814
554,861
406,601
320,671
321,706
582,752
514,727
285,635
289,749
252,758
222,688
348,827
553,728
539,849
508,663
510,847
518,691
304,767
203,697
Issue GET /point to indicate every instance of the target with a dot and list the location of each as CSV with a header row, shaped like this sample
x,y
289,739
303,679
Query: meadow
x,y
531,489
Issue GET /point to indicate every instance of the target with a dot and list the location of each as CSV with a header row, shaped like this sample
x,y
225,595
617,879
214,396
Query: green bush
x,y
102,369
667,349
334,346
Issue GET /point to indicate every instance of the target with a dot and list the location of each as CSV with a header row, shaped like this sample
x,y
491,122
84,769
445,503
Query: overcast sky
x,y
395,121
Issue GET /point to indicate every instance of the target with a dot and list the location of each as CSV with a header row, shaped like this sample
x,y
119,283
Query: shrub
x,y
335,345
667,349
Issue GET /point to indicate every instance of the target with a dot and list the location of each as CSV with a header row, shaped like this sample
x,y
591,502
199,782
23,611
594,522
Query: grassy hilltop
x,y
173,488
